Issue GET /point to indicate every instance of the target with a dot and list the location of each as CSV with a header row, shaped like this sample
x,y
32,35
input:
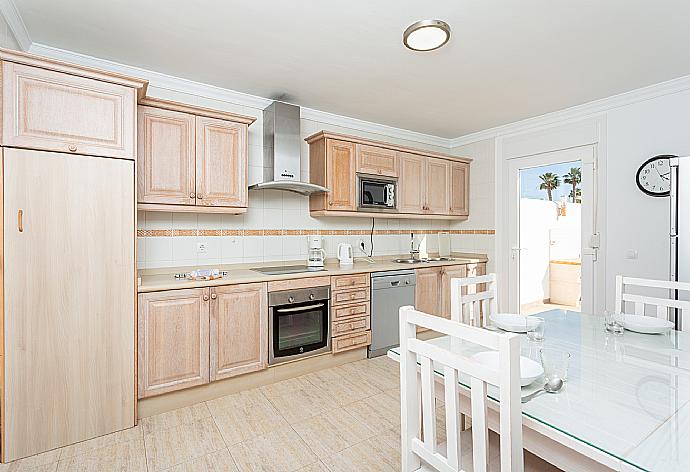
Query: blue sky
x,y
530,181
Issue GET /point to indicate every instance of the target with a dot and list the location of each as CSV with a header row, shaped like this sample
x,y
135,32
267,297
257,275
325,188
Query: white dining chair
x,y
640,302
473,308
419,389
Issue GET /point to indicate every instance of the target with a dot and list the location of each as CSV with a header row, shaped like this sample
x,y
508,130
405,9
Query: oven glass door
x,y
373,193
300,328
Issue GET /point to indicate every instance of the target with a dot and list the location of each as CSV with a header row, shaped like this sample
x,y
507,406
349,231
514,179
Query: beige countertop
x,y
154,280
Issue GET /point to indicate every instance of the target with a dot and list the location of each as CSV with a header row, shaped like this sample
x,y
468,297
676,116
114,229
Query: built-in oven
x,y
376,193
299,323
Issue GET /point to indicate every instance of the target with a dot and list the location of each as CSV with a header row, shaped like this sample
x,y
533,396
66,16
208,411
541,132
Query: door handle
x,y
20,221
300,308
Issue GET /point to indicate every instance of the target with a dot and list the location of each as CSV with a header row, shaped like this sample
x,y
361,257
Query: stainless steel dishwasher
x,y
389,291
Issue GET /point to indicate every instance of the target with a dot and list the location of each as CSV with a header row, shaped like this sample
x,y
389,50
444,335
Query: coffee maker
x,y
315,253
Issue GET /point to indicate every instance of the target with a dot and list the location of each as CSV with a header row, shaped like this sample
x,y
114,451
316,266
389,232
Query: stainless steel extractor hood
x,y
282,146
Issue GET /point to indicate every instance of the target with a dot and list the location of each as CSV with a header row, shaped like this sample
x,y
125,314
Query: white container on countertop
x,y
345,255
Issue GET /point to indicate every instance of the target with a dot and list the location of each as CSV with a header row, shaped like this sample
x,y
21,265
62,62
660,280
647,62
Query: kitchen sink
x,y
408,261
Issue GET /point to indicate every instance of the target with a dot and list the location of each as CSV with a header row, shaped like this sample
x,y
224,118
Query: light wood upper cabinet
x,y
428,290
173,340
377,160
48,110
412,184
166,156
459,188
340,175
191,159
239,331
437,189
221,163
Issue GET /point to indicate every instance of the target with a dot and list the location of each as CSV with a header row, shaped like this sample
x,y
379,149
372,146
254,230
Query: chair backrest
x,y
430,356
473,299
664,306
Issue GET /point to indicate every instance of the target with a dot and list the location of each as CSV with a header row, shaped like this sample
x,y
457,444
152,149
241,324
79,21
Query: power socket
x,y
201,248
362,246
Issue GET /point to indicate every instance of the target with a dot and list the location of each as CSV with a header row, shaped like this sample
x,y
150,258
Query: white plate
x,y
529,369
511,322
647,324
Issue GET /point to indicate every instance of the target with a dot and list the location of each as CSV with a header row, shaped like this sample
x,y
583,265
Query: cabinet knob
x,y
352,296
213,296
311,296
291,299
72,147
205,298
199,197
192,195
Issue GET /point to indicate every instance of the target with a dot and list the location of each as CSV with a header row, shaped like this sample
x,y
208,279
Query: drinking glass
x,y
613,322
555,363
535,328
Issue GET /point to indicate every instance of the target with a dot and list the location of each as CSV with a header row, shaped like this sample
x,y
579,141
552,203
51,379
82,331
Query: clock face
x,y
654,176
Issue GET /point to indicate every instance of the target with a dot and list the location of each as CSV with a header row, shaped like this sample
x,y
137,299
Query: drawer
x,y
292,284
340,312
350,326
351,341
350,296
52,111
347,282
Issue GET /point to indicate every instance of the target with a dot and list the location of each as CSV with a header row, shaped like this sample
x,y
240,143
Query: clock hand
x,y
663,176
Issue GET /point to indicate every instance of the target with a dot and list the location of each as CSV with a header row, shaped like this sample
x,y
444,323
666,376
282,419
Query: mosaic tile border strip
x,y
147,233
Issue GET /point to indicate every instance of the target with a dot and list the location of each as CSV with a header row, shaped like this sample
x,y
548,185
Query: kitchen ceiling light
x,y
426,35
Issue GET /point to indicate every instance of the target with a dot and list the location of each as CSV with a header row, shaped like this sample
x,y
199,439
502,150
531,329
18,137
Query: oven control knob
x,y
291,299
311,296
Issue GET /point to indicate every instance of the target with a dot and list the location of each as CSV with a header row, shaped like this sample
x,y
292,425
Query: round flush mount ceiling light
x,y
426,35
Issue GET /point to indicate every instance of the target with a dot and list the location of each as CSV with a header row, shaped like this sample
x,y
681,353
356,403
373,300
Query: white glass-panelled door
x,y
552,235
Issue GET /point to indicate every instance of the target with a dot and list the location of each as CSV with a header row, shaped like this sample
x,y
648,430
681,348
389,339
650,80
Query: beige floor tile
x,y
284,387
345,391
174,446
315,467
245,415
373,371
325,375
175,418
371,455
303,404
131,434
219,461
120,457
332,432
379,413
281,450
44,462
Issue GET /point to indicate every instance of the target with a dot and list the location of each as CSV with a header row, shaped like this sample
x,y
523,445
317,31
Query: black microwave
x,y
376,193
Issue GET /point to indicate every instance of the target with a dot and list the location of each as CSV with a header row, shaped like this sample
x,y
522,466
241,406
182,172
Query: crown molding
x,y
178,84
14,20
586,110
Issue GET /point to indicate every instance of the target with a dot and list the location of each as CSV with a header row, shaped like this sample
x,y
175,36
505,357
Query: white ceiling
x,y
507,59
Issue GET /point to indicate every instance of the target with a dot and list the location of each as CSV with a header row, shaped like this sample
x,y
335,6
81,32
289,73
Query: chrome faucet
x,y
413,252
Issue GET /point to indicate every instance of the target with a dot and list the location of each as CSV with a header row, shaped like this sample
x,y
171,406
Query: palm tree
x,y
574,177
578,195
550,182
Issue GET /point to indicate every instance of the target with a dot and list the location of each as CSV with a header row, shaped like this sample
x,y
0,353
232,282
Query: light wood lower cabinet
x,y
428,290
448,273
239,330
350,307
173,340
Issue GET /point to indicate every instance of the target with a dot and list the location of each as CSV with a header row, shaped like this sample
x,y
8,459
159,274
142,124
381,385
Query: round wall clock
x,y
654,176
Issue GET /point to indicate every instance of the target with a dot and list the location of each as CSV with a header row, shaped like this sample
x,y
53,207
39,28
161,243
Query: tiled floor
x,y
343,419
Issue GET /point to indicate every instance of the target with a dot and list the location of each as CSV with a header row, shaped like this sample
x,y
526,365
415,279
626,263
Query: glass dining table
x,y
627,397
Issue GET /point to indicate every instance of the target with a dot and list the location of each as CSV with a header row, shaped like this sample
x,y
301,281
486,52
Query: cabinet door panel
x,y
377,160
412,183
459,188
49,110
68,299
437,179
427,290
173,340
239,330
221,163
166,157
448,273
340,175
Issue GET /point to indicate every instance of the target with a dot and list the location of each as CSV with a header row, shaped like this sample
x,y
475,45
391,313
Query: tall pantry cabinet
x,y
68,253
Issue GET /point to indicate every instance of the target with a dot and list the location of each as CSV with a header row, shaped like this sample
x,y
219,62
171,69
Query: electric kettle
x,y
345,255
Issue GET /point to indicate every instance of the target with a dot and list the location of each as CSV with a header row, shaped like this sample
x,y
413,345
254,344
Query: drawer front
x,y
347,282
350,326
65,113
351,341
350,296
360,309
377,160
